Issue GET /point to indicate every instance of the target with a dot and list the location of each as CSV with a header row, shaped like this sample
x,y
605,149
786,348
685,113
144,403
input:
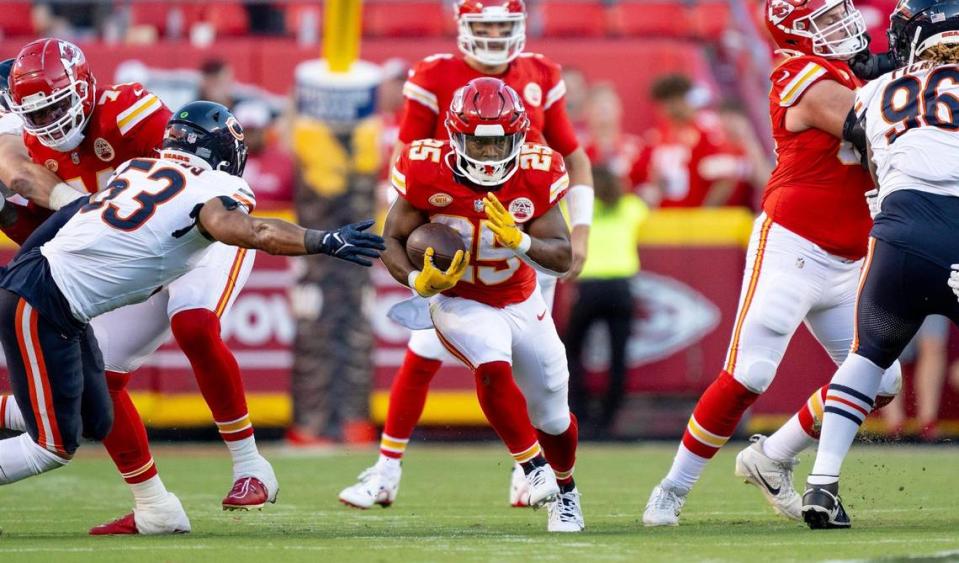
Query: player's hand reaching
x,y
431,280
954,280
350,243
501,222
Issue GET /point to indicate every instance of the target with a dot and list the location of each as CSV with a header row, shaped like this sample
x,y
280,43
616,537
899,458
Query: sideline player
x,y
491,37
489,313
803,259
910,126
156,217
82,133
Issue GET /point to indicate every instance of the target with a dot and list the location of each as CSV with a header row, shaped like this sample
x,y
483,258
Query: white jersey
x,y
137,235
912,126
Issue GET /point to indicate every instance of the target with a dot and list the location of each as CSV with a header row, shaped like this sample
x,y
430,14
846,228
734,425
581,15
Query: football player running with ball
x,y
802,263
491,38
157,217
500,195
910,117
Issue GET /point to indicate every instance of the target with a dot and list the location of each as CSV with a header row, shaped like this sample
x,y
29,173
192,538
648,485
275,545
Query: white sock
x,y
12,416
686,469
387,462
243,451
21,457
787,442
151,491
856,382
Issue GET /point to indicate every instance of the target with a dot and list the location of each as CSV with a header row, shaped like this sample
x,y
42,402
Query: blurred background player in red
x,y
604,140
685,162
269,166
802,263
491,38
82,133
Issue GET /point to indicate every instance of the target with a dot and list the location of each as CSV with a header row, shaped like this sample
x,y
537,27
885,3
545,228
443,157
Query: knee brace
x,y
757,368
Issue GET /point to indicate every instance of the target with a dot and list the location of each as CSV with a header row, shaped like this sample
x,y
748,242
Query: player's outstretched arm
x,y
30,180
545,246
224,223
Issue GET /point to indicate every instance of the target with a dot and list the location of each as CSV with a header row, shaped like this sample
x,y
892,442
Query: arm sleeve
x,y
558,130
418,122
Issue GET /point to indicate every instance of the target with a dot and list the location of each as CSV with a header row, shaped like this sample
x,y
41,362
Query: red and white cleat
x,y
122,526
247,493
164,517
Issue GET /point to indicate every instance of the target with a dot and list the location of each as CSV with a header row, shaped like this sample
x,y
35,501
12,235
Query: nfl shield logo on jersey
x,y
521,209
103,149
478,205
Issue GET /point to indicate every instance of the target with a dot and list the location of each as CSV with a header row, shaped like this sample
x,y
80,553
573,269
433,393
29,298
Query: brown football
x,y
444,240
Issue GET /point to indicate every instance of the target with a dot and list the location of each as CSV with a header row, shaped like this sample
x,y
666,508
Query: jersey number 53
x,y
172,181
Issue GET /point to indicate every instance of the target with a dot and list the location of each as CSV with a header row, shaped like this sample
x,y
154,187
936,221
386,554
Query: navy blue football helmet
x,y
209,131
915,25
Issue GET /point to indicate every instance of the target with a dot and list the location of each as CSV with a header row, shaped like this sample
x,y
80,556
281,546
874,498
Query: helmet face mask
x,y
492,35
52,90
487,160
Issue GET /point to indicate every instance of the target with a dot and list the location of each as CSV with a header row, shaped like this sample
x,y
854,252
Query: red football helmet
x,y
832,29
52,90
477,42
487,124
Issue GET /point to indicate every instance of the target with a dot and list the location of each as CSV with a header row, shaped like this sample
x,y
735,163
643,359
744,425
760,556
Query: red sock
x,y
407,399
197,331
505,409
716,415
560,450
127,441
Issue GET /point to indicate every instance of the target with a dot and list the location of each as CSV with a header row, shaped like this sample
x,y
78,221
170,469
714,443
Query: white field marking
x,y
944,555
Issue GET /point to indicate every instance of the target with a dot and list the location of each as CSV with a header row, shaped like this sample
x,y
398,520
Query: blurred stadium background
x,y
245,53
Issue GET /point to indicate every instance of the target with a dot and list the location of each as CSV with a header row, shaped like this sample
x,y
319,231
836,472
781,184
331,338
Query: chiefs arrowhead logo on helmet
x,y
780,9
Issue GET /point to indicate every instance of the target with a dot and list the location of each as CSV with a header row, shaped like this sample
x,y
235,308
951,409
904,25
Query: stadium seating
x,y
15,20
573,18
417,18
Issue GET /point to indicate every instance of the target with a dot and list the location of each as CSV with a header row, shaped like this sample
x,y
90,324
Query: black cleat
x,y
822,508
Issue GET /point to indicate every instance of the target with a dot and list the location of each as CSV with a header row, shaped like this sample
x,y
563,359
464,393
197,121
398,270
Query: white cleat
x,y
518,488
165,517
565,513
664,506
543,487
376,485
774,478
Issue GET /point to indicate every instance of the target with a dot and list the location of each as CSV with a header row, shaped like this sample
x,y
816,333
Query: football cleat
x,y
565,513
822,508
166,517
375,485
518,488
664,505
254,485
543,487
774,478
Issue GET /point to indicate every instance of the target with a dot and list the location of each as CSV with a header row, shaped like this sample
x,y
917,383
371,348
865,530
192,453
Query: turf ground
x,y
903,501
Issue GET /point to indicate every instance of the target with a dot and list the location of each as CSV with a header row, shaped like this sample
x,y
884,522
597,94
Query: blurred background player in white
x,y
912,146
491,38
803,260
154,222
489,313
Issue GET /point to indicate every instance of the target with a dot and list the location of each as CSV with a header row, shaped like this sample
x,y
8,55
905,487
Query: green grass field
x,y
452,506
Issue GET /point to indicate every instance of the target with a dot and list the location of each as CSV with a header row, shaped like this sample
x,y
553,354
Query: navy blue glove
x,y
868,66
348,243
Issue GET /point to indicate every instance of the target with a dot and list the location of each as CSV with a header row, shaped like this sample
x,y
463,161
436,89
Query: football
x,y
444,240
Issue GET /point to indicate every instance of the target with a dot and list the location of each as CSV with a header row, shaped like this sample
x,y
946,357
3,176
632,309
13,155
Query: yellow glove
x,y
430,280
502,223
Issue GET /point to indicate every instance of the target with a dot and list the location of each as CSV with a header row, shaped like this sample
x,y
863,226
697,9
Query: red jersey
x,y
538,81
684,161
127,122
816,189
496,276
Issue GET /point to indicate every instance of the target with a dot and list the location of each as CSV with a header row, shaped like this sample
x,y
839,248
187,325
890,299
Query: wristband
x,y
411,279
524,243
579,202
313,241
62,194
